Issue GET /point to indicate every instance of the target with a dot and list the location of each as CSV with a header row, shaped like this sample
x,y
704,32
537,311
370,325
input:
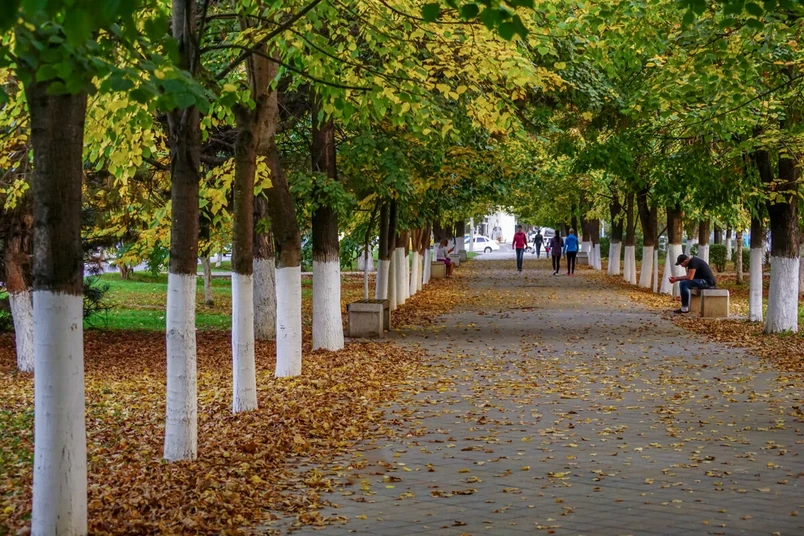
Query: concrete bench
x,y
710,302
438,270
369,318
462,255
455,258
582,259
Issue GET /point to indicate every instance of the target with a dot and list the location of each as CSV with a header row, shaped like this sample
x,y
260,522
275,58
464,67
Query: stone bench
x,y
455,258
582,259
369,318
710,302
462,255
438,270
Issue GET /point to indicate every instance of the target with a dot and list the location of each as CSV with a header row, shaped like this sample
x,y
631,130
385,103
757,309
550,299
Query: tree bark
x,y
60,465
738,262
327,322
647,216
629,254
756,278
264,273
616,239
384,259
209,299
19,280
718,234
675,230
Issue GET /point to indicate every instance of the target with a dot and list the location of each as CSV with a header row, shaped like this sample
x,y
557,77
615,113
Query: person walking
x,y
556,247
537,243
571,251
520,243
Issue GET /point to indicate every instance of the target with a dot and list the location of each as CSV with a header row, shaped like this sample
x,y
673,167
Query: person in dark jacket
x,y
699,275
556,246
538,240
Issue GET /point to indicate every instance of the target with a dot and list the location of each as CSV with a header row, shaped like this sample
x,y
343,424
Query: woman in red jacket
x,y
520,243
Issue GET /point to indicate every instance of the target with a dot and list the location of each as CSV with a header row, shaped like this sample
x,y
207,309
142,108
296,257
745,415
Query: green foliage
x,y
350,247
717,256
746,258
96,306
605,242
157,258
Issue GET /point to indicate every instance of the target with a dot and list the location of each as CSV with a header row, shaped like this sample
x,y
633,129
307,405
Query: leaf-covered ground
x,y
246,464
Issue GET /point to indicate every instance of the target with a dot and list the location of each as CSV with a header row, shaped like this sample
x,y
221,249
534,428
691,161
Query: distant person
x,y
442,255
571,250
699,275
556,246
520,242
537,243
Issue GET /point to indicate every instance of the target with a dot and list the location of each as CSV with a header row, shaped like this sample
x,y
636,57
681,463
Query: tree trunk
x,y
629,256
416,262
181,426
729,246
675,229
209,299
594,252
427,254
391,243
19,280
757,257
460,231
244,373
615,243
327,321
718,234
287,239
782,314
400,262
60,464
703,240
738,262
125,271
264,273
647,217
384,262
691,231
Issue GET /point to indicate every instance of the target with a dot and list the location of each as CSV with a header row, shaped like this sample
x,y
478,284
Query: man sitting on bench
x,y
699,275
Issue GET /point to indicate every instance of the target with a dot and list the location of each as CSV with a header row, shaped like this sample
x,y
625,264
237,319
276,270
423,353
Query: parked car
x,y
482,243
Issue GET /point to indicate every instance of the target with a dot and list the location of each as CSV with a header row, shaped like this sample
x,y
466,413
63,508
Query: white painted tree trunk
x,y
729,249
327,319
181,423
782,314
614,258
415,276
703,253
365,263
472,235
420,272
218,260
399,276
587,247
264,299
392,268
800,274
381,284
755,286
21,305
627,252
60,457
406,282
598,259
655,270
670,268
647,267
427,261
288,321
365,279
209,299
688,249
632,271
244,371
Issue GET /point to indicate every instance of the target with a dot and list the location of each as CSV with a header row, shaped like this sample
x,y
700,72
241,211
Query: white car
x,y
482,243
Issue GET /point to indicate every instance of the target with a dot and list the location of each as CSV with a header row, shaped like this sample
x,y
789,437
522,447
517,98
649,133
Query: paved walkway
x,y
555,406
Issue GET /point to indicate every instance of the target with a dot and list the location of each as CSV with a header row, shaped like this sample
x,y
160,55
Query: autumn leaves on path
x,y
557,405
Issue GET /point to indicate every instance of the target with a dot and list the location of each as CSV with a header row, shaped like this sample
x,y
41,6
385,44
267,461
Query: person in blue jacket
x,y
571,251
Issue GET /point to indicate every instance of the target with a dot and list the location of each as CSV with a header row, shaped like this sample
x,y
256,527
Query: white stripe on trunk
x,y
614,258
755,286
244,374
655,270
392,267
327,320
587,247
264,299
729,249
419,271
21,306
427,266
288,321
60,448
381,287
670,269
782,314
181,422
598,260
399,276
415,277
647,267
703,253
630,255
